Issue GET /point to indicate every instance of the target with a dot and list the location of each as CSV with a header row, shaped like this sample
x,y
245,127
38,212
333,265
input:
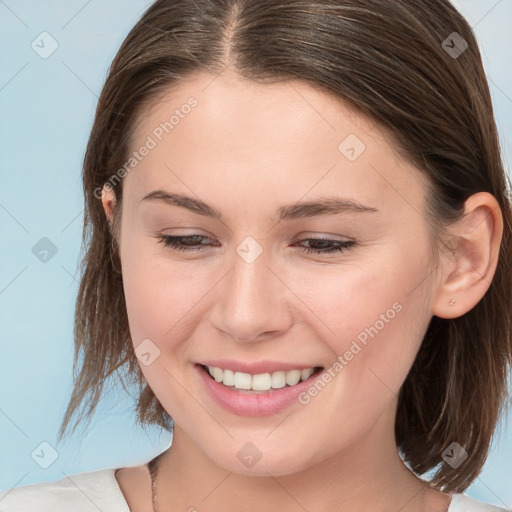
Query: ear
x,y
108,199
469,256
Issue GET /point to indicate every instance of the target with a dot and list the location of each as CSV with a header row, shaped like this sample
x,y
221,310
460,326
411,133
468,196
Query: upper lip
x,y
256,368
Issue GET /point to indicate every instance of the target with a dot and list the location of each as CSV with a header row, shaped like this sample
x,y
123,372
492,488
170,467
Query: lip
x,y
253,404
256,368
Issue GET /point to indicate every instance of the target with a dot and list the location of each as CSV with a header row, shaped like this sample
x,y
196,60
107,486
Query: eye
x,y
183,243
187,243
326,245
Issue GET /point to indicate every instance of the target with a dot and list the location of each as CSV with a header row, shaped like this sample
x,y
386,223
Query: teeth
x,y
229,378
278,380
218,374
260,382
305,374
242,380
292,377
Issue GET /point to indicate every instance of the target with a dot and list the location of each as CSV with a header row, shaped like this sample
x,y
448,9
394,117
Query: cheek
x,y
164,297
159,309
375,327
372,314
152,302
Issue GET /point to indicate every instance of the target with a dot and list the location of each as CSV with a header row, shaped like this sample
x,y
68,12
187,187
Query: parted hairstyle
x,y
395,63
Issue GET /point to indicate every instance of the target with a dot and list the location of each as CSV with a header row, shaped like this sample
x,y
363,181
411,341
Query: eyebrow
x,y
322,206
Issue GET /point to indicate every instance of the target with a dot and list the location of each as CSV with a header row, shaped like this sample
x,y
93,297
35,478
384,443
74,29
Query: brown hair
x,y
388,60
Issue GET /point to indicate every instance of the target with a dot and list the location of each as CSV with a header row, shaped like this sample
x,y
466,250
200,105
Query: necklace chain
x,y
153,467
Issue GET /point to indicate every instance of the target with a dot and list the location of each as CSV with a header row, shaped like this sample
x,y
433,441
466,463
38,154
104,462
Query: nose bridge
x,y
252,301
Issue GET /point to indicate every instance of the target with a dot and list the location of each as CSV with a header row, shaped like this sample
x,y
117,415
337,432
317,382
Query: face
x,y
261,281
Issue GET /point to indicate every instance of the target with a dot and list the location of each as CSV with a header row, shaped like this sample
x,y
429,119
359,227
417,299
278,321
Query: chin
x,y
251,461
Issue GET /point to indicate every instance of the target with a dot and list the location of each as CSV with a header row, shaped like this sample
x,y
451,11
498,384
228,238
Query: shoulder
x,y
463,503
83,492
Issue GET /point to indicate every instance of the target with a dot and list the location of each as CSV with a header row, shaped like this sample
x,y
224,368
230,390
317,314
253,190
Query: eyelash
x,y
172,242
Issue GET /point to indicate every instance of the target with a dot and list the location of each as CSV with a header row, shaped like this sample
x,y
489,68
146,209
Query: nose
x,y
252,301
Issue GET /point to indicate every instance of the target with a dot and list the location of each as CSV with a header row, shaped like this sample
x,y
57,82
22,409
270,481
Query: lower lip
x,y
253,404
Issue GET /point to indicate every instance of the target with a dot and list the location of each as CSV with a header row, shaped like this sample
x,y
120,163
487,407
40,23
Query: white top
x,y
99,490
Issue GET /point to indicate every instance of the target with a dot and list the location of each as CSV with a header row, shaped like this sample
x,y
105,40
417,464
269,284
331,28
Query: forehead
x,y
231,135
230,104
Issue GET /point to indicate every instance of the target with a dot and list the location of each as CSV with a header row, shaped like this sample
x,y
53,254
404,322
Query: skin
x,y
247,149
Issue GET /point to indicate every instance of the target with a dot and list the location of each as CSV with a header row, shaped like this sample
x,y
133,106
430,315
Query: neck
x,y
367,475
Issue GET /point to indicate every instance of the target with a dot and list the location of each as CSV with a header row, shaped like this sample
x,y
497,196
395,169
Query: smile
x,y
262,381
255,394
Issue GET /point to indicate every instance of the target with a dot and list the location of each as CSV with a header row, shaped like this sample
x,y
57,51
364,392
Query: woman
x,y
298,245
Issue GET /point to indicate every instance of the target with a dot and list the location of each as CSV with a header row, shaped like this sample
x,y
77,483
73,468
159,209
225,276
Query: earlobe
x,y
469,257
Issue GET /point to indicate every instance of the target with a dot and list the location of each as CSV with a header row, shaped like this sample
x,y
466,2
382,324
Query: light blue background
x,y
47,110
